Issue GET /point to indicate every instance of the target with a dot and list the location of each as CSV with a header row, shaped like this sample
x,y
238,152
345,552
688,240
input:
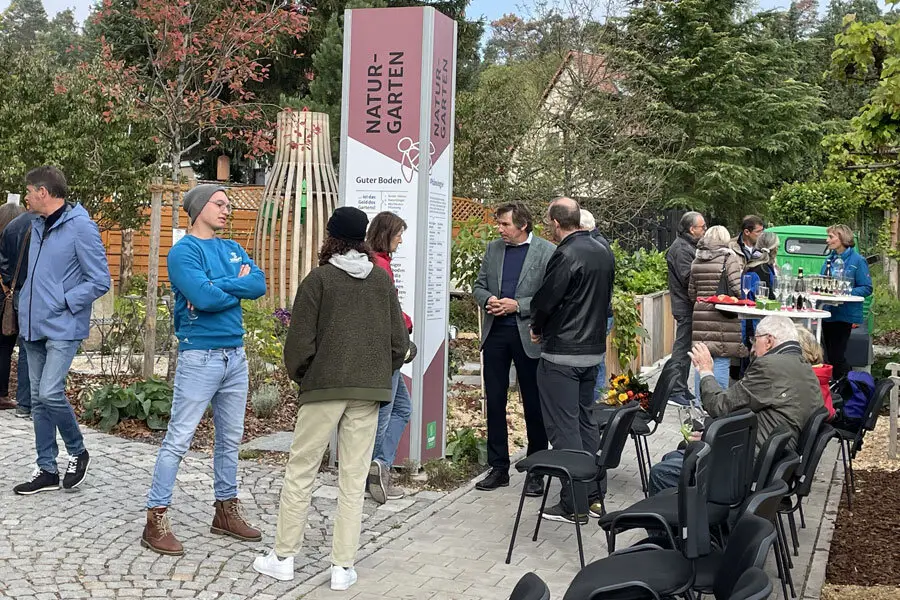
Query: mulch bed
x,y
865,549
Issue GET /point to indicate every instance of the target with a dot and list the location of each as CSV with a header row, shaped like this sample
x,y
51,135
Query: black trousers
x,y
7,343
680,348
567,394
835,335
503,347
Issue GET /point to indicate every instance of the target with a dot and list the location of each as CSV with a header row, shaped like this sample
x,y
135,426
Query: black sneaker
x,y
23,413
495,479
76,471
41,481
556,513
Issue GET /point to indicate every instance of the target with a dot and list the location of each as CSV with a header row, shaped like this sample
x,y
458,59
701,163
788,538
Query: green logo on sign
x,y
430,435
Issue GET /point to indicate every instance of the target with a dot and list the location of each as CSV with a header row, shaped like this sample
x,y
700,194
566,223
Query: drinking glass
x,y
747,284
763,292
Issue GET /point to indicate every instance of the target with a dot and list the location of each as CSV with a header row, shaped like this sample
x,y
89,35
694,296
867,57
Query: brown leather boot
x,y
230,521
6,403
158,534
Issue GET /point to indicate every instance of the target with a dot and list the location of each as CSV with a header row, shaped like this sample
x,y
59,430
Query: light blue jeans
x,y
392,420
48,364
602,382
721,366
203,377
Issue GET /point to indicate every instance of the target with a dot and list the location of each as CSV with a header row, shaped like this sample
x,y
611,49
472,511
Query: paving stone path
x,y
430,546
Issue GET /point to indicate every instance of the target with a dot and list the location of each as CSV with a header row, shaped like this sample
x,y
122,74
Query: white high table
x,y
751,312
834,299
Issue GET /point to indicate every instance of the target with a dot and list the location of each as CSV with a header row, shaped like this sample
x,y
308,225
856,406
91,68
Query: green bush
x,y
641,272
464,314
149,400
820,203
265,400
465,446
467,251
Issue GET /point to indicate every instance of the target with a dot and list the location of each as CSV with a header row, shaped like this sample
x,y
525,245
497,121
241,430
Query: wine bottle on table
x,y
800,290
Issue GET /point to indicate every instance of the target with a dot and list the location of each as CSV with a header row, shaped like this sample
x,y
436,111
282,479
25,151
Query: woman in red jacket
x,y
812,352
384,237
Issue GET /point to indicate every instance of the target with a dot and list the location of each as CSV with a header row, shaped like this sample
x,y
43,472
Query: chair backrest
x,y
754,584
615,436
765,502
748,545
665,386
732,441
882,391
693,491
810,430
772,451
810,464
530,587
786,469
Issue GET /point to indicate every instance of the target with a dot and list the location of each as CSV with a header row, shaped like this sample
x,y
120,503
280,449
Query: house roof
x,y
591,68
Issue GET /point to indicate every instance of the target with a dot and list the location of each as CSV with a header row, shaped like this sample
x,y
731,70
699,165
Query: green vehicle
x,y
804,246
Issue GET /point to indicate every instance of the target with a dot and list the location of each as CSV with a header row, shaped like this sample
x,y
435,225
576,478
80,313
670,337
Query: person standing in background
x,y
67,271
8,213
679,258
510,273
588,223
569,321
210,276
384,237
744,245
836,328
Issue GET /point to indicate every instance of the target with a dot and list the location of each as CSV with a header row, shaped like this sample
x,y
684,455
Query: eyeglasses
x,y
755,338
223,206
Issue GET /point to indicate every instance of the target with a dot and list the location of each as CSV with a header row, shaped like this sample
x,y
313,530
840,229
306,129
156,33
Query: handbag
x,y
9,323
722,289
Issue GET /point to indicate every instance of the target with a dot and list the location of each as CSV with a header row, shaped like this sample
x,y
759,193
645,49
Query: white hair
x,y
587,220
780,328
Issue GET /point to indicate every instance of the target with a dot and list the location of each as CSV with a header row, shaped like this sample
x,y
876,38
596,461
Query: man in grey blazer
x,y
512,270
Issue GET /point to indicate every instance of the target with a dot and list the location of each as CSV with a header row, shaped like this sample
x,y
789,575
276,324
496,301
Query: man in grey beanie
x,y
210,277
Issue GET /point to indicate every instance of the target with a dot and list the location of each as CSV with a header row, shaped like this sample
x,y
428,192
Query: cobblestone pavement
x,y
85,544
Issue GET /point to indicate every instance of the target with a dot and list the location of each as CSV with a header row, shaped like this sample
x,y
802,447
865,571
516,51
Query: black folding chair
x,y
530,587
851,441
732,440
647,421
754,584
577,466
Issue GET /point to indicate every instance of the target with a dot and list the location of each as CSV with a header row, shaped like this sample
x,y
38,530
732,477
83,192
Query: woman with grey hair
x,y
763,263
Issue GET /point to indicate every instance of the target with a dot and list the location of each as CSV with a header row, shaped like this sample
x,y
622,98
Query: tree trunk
x,y
152,278
126,262
176,209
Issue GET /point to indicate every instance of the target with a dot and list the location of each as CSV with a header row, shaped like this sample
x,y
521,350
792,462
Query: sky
x,y
490,9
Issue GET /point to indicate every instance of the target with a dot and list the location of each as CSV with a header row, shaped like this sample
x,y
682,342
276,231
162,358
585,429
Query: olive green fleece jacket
x,y
347,336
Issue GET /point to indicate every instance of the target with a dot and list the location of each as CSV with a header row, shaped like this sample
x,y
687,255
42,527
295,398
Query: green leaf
x,y
109,420
157,423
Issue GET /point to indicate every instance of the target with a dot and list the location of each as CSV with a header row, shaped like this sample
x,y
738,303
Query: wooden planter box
x,y
657,320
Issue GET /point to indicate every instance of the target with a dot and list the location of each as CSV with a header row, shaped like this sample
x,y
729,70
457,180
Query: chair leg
x,y
779,563
787,555
577,522
639,452
802,517
847,476
781,545
512,540
647,455
543,505
793,525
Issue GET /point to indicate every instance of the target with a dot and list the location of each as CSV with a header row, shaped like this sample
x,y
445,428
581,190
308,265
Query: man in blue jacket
x,y
67,271
210,276
836,328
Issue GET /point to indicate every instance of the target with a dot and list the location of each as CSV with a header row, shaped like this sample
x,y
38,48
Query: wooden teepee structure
x,y
300,195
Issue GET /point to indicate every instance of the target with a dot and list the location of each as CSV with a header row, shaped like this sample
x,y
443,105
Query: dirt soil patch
x,y
856,592
864,549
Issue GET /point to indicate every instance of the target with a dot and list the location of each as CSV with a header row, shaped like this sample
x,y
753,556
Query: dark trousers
x,y
680,348
835,335
502,347
567,394
7,344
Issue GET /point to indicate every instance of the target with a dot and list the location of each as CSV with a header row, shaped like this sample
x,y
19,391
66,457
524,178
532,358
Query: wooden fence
x,y
657,320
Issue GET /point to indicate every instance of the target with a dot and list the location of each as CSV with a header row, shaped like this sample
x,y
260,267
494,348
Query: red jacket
x,y
823,374
383,260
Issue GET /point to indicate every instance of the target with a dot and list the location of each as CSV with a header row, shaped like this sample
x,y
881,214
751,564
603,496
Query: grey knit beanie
x,y
197,197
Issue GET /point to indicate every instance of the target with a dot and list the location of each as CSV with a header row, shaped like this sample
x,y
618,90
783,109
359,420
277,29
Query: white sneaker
x,y
342,578
280,569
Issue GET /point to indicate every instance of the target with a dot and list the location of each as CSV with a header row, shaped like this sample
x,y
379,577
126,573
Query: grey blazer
x,y
488,284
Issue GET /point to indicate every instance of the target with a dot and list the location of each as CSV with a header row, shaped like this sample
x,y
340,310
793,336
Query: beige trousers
x,y
356,421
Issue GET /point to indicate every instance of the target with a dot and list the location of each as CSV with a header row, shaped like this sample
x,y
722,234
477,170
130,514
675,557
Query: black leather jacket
x,y
679,258
569,310
10,245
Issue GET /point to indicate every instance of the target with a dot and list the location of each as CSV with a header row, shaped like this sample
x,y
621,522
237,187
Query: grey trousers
x,y
680,348
567,394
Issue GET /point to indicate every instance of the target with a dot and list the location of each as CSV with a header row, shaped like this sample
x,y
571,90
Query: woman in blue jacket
x,y
836,328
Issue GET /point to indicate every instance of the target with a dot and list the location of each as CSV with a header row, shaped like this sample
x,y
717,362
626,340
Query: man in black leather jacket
x,y
569,313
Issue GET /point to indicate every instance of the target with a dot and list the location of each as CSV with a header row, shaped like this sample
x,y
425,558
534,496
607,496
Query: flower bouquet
x,y
625,388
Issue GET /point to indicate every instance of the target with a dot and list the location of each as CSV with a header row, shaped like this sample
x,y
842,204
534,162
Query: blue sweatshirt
x,y
205,273
856,269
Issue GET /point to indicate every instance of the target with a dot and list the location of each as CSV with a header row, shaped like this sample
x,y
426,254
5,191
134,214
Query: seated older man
x,y
779,386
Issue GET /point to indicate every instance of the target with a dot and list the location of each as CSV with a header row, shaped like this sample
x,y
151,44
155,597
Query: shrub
x,y
640,272
820,203
464,313
265,400
467,251
441,473
465,446
149,400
